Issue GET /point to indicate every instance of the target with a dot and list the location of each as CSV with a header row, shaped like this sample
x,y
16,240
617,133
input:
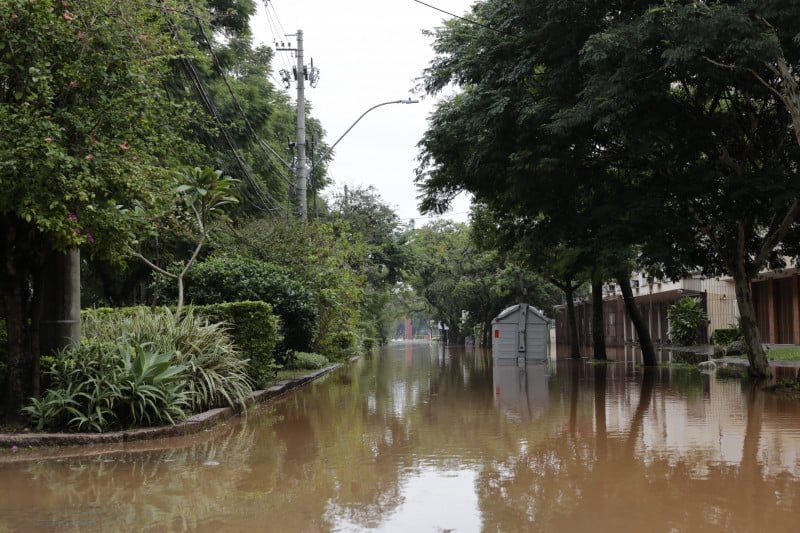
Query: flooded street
x,y
425,438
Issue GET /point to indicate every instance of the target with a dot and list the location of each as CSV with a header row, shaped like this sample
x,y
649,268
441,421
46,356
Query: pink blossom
x,y
68,16
89,237
73,84
81,34
14,449
123,146
73,217
89,157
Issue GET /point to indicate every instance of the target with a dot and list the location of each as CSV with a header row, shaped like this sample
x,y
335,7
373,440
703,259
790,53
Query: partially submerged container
x,y
520,332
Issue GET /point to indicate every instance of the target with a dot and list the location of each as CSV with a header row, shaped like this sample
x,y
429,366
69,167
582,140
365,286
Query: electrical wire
x,y
278,33
456,16
262,199
221,69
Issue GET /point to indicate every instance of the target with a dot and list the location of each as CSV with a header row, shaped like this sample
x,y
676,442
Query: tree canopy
x,y
668,129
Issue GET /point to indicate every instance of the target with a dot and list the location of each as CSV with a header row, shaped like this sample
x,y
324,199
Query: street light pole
x,y
330,149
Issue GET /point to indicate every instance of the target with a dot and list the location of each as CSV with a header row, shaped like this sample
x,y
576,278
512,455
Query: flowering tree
x,y
88,129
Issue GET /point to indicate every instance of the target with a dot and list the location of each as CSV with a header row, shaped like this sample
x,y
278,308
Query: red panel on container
x,y
497,334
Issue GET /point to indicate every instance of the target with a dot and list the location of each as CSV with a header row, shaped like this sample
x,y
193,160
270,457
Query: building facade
x,y
653,297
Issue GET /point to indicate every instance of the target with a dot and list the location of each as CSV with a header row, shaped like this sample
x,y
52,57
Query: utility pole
x,y
300,141
301,74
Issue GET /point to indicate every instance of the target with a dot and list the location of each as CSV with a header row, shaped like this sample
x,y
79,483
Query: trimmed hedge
x,y
309,361
236,279
254,329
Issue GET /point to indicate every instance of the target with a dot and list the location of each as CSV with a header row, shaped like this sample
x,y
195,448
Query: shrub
x,y
686,316
369,343
723,336
102,385
254,330
216,373
224,279
309,361
341,345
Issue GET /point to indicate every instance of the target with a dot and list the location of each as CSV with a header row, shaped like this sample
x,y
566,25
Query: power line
x,y
278,33
456,16
220,68
265,201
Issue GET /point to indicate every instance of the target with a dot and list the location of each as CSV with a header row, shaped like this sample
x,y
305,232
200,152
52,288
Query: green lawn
x,y
788,353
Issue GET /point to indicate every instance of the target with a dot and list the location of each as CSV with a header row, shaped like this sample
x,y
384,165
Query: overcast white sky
x,y
368,52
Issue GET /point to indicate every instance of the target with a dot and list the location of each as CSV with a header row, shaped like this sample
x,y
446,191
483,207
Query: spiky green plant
x,y
98,386
216,373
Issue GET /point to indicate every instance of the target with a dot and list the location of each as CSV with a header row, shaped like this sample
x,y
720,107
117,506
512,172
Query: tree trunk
x,y
572,322
645,342
598,323
13,301
759,365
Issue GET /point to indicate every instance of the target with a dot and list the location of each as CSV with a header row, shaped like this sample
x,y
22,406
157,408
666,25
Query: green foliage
x,y
233,279
725,336
103,385
216,373
254,330
369,343
309,361
205,193
686,316
88,130
453,274
328,260
784,353
341,345
83,118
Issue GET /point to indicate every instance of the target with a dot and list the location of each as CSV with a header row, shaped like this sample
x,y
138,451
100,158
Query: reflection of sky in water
x,y
432,500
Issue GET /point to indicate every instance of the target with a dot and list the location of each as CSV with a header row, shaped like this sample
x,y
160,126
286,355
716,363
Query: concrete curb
x,y
193,424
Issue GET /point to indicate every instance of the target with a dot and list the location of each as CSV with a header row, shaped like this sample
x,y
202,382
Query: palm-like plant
x,y
205,193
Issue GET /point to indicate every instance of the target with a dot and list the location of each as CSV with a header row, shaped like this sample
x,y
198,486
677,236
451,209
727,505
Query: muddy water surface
x,y
420,438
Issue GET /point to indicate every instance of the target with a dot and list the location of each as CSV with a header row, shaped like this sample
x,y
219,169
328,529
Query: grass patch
x,y
786,353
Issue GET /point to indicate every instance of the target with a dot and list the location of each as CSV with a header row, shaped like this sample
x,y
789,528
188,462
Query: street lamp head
x,y
409,101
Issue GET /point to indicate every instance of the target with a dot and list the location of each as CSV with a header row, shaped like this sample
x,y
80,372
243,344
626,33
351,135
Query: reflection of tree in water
x,y
341,451
173,489
565,483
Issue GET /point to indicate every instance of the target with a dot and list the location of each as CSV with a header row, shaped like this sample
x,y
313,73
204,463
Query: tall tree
x,y
502,138
88,129
705,94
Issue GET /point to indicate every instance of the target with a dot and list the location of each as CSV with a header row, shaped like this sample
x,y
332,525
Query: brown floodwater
x,y
425,438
